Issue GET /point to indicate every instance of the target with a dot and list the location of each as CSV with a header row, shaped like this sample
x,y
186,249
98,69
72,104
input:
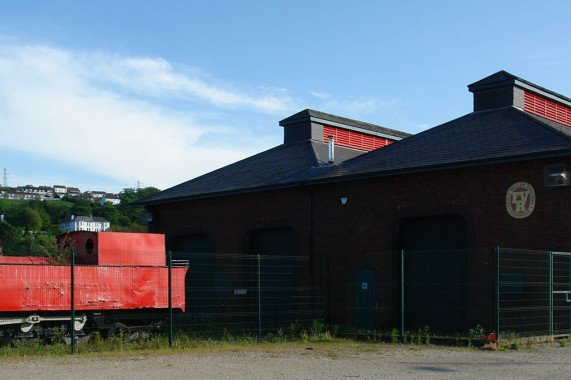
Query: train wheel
x,y
118,329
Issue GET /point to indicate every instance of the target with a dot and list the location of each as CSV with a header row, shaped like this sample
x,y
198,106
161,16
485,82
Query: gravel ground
x,y
307,361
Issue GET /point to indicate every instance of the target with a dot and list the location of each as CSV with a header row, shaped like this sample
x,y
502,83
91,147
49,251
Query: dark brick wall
x,y
343,239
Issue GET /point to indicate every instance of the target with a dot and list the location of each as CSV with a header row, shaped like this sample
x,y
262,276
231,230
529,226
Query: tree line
x,y
31,227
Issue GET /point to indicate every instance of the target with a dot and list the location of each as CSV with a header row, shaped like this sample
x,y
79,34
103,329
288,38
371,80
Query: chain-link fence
x,y
462,292
533,292
447,292
247,293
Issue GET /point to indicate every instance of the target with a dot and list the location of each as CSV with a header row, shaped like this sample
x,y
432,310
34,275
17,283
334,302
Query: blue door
x,y
365,300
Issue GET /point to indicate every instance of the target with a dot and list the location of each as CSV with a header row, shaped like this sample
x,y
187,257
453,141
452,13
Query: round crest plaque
x,y
520,200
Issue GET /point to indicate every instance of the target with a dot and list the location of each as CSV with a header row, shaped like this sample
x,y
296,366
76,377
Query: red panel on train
x,y
116,248
47,287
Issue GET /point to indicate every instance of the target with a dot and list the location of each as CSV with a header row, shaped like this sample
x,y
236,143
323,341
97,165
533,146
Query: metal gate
x,y
533,292
560,318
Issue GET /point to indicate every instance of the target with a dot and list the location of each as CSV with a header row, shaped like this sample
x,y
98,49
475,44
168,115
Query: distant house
x,y
42,191
85,223
73,192
93,195
60,190
110,198
20,195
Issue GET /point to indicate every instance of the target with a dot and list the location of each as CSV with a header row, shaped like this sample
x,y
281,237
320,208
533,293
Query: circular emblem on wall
x,y
520,200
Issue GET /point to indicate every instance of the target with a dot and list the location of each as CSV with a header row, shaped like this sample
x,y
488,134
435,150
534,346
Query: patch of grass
x,y
125,344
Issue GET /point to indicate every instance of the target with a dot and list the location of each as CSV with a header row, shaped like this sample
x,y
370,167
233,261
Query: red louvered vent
x,y
547,108
353,139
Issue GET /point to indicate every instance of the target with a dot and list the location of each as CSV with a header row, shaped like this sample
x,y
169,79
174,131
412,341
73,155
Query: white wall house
x,y
110,198
60,190
85,223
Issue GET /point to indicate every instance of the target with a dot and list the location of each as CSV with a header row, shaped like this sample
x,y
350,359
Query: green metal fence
x,y
512,292
448,291
533,292
507,291
247,294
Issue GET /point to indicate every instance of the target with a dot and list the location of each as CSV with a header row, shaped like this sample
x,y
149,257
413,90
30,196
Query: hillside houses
x,y
55,192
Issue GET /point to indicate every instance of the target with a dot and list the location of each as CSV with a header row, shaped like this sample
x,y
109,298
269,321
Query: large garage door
x,y
199,283
435,273
278,274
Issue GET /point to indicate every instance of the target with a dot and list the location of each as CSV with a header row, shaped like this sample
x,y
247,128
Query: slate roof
x,y
281,166
504,134
81,218
485,137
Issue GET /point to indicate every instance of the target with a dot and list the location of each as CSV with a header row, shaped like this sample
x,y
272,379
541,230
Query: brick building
x,y
352,196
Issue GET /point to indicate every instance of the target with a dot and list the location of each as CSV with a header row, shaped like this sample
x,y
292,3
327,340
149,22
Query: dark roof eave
x,y
248,190
366,175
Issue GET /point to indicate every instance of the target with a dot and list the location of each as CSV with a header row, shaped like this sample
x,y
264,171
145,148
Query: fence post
x,y
497,291
402,292
72,298
550,293
259,301
169,258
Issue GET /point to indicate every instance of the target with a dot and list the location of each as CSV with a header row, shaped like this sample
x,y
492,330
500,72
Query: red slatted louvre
x,y
352,139
547,108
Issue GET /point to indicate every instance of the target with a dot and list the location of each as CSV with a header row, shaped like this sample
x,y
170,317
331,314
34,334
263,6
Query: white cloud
x,y
351,105
156,77
53,104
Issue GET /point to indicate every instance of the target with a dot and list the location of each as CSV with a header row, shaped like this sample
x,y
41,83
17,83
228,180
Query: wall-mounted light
x,y
344,200
556,175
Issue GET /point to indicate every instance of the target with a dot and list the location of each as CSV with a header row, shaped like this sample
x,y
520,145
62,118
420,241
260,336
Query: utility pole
x,y
5,177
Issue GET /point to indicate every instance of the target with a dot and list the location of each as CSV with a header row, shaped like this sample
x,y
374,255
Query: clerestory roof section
x,y
478,138
329,119
504,79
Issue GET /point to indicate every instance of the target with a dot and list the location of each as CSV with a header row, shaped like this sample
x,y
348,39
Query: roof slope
x,y
280,166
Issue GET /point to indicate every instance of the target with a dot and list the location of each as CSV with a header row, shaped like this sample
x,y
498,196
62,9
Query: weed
x,y
405,335
426,334
394,336
477,332
294,328
515,346
508,335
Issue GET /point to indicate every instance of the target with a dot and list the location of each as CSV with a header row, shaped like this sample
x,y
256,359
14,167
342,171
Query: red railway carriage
x,y
115,276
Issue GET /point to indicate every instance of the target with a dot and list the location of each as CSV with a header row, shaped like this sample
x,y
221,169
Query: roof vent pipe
x,y
331,149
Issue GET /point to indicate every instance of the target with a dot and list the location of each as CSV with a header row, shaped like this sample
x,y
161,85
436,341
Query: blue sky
x,y
103,94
